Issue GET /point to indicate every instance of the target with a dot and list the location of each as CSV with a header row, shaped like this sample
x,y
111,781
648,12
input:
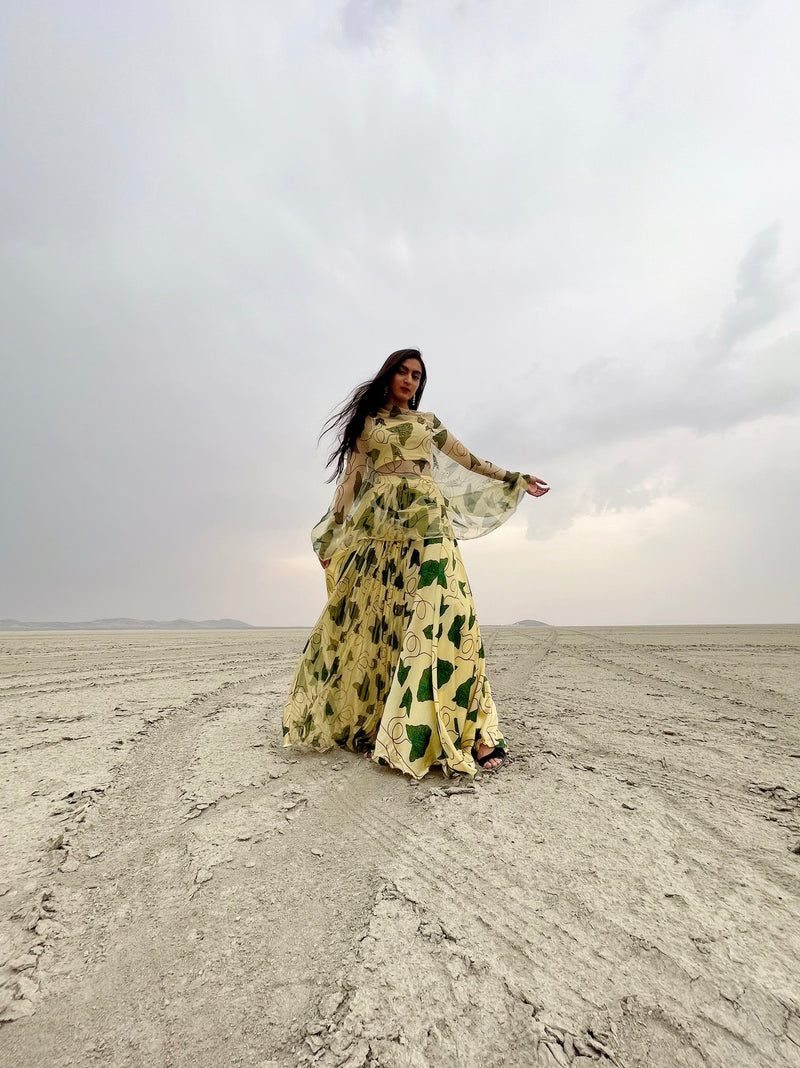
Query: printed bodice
x,y
394,439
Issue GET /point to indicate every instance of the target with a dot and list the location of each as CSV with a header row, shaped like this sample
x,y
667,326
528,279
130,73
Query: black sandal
x,y
494,754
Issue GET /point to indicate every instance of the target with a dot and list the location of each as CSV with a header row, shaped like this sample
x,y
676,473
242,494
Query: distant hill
x,y
530,623
132,624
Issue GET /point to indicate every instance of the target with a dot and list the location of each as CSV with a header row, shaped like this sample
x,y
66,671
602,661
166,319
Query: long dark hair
x,y
348,420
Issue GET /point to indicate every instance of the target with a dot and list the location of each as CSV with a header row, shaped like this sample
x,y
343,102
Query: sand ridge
x,y
178,889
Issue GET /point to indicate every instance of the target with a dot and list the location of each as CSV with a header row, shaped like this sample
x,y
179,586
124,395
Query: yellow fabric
x,y
464,496
395,662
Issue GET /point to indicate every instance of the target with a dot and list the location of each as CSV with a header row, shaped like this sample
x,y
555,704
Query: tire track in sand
x,y
490,893
128,920
537,938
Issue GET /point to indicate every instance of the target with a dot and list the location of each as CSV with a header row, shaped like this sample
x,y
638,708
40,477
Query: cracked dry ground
x,y
179,890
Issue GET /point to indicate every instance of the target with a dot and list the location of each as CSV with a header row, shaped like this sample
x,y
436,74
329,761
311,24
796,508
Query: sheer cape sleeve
x,y
479,495
327,535
408,477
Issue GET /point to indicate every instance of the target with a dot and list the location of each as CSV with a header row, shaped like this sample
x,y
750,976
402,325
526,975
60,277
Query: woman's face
x,y
405,382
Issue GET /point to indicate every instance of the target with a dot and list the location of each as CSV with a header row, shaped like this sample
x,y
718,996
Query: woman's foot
x,y
489,757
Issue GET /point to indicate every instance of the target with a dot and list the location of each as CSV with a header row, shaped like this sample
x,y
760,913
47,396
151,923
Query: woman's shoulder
x,y
429,417
383,414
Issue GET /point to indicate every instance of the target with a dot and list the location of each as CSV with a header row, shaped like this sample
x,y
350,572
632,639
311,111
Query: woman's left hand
x,y
537,487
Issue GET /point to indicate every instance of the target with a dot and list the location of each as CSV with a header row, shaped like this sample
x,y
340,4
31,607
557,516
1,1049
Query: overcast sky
x,y
219,218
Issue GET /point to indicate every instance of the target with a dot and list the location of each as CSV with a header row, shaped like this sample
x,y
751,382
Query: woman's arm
x,y
452,447
347,490
325,533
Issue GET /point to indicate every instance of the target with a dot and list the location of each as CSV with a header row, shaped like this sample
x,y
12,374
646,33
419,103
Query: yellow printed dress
x,y
395,663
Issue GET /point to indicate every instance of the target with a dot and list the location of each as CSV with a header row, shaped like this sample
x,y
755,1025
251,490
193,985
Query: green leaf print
x,y
403,431
429,573
406,701
454,634
444,672
402,672
428,632
425,688
419,736
328,709
463,693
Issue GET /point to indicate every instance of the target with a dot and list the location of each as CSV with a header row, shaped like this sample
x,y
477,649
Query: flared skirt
x,y
395,663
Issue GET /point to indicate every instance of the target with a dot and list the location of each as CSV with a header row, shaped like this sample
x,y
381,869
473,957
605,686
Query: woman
x,y
395,663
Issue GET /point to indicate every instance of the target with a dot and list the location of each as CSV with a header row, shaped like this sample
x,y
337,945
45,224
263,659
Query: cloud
x,y
696,549
760,297
219,220
362,20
